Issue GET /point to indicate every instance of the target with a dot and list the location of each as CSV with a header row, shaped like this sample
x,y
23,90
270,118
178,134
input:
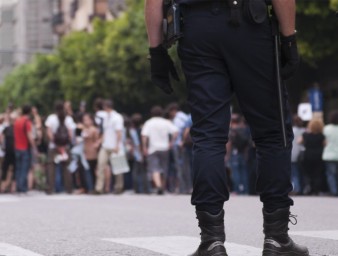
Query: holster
x,y
255,11
172,23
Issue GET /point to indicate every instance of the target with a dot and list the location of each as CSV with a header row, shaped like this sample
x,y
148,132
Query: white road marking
x,y
180,245
328,234
8,200
11,250
65,197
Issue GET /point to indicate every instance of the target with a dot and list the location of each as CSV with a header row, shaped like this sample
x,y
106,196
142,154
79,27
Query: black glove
x,y
161,66
290,57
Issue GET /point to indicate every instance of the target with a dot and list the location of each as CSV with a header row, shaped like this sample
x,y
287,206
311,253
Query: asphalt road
x,y
62,225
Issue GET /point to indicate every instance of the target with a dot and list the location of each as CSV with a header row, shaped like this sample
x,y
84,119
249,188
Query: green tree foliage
x,y
126,49
334,5
317,26
35,83
82,65
111,61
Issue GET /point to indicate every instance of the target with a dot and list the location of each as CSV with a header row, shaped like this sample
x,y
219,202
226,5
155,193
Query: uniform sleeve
x,y
145,130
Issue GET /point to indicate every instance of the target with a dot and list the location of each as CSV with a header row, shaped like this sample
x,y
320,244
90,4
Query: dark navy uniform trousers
x,y
220,60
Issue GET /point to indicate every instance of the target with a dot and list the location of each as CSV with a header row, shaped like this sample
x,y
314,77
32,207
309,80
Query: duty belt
x,y
235,7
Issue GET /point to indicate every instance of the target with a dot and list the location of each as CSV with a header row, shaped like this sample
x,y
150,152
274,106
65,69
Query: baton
x,y
280,84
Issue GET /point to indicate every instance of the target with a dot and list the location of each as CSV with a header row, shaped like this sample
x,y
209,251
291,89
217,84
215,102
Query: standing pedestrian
x,y
111,143
60,130
24,143
139,170
314,142
4,121
8,165
158,137
330,155
238,145
188,149
79,165
297,153
37,136
179,119
227,48
91,137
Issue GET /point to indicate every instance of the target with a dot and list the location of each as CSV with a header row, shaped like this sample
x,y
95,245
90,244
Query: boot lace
x,y
293,219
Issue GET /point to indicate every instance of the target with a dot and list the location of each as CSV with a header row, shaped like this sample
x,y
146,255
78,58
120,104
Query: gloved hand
x,y
289,56
161,66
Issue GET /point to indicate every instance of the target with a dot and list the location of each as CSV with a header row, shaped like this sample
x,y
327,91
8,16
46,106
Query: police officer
x,y
227,49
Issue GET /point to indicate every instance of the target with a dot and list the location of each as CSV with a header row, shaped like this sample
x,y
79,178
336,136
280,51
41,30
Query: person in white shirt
x,y
179,119
52,124
111,143
2,128
156,134
330,154
297,150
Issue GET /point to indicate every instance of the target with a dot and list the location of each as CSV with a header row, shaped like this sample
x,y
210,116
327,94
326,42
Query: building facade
x,y
7,35
28,27
25,29
77,15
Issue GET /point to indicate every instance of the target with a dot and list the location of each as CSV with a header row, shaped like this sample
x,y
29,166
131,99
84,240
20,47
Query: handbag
x,y
119,163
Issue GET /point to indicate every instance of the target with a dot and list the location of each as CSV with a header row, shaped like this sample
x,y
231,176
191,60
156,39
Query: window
x,y
7,16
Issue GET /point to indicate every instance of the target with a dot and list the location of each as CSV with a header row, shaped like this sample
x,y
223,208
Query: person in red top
x,y
23,142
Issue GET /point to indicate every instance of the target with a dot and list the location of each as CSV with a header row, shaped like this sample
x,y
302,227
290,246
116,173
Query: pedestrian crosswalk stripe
x,y
8,200
328,234
180,245
11,250
65,197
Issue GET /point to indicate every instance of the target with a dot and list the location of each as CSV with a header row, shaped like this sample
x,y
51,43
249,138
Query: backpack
x,y
61,137
99,122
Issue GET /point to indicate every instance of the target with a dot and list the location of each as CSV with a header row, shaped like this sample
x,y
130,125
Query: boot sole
x,y
275,253
218,254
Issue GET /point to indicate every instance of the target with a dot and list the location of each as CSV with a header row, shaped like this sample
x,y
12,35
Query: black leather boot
x,y
212,235
277,241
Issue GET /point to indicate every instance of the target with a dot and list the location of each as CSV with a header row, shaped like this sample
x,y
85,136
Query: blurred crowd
x,y
95,152
103,151
315,156
314,160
